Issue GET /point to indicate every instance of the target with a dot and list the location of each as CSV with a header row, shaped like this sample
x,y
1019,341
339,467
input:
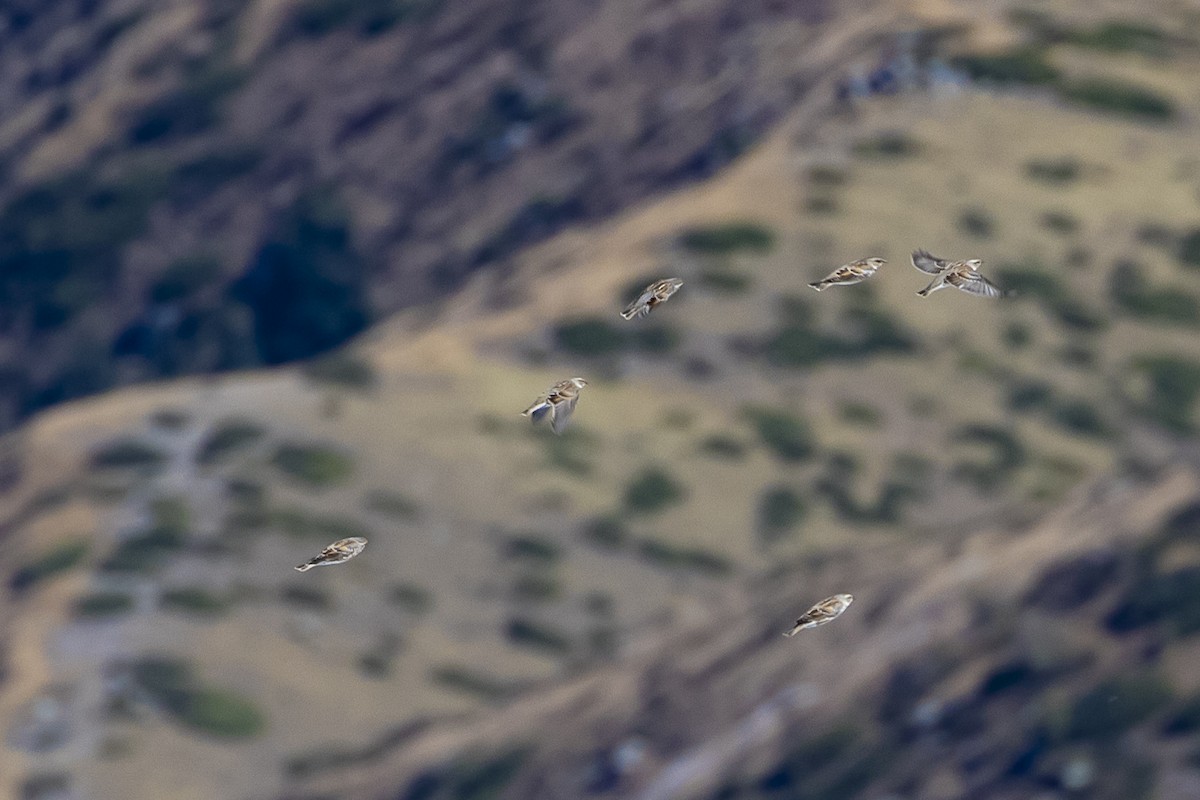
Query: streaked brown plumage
x,y
651,296
336,553
825,611
962,275
559,402
854,272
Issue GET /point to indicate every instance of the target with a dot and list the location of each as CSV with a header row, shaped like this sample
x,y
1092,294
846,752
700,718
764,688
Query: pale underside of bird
x,y
847,274
823,612
336,553
651,296
558,403
962,275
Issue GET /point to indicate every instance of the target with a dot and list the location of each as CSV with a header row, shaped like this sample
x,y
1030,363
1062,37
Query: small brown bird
x,y
559,402
962,275
336,553
652,295
825,611
854,272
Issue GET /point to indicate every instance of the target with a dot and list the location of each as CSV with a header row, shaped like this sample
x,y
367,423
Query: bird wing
x,y
927,262
561,414
973,283
641,306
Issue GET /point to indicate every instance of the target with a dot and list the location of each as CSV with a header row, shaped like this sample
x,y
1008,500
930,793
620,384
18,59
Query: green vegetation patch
x,y
652,491
56,560
1021,66
606,532
596,337
724,447
537,636
780,509
1189,249
102,605
1005,452
343,370
1055,171
128,454
535,587
306,597
412,598
861,332
728,238
1166,305
977,222
533,548
468,777
1122,36
393,504
888,145
690,559
1120,98
1173,386
468,680
317,466
725,280
194,600
227,437
1115,706
147,551
219,713
786,436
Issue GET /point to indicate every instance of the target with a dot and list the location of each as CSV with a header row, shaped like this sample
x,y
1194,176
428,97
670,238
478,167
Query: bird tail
x,y
636,310
792,632
819,285
924,292
305,567
536,410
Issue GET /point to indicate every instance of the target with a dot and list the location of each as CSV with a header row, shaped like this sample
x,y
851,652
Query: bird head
x,y
876,262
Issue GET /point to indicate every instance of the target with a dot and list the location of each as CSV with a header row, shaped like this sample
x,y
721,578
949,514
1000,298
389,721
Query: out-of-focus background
x,y
277,272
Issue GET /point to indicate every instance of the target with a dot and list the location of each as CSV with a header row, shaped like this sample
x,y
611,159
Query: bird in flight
x,y
854,272
962,275
825,611
336,553
652,295
558,402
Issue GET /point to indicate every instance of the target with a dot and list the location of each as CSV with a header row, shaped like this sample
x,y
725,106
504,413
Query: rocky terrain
x,y
1009,489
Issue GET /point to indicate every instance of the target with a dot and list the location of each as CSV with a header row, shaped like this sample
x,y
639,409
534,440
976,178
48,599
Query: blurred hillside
x,y
206,185
1009,489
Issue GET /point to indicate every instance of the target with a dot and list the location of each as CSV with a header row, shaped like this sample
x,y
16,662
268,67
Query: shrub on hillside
x,y
1174,385
788,437
1019,66
653,490
780,509
1116,97
728,238
128,454
1054,171
101,605
57,559
317,466
227,437
1116,705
